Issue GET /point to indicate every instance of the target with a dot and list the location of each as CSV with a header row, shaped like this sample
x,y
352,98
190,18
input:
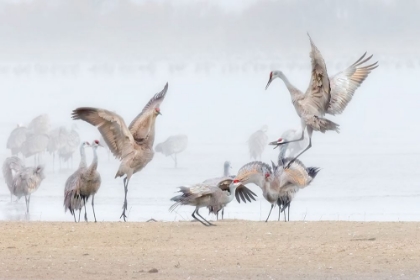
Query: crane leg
x,y
288,213
210,224
195,218
84,200
304,150
93,207
80,211
125,199
223,212
272,205
279,212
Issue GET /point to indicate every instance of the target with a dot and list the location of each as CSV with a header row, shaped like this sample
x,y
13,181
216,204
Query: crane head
x,y
157,111
96,144
277,143
86,144
273,75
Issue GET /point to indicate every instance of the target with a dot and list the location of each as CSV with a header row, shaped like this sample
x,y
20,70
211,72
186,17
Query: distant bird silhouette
x,y
257,142
16,139
173,146
25,181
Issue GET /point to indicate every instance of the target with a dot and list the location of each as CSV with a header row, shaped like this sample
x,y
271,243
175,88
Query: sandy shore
x,y
231,250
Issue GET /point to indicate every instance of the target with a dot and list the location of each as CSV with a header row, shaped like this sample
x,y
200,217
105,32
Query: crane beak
x,y
275,144
268,84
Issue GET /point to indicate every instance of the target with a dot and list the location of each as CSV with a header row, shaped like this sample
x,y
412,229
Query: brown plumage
x,y
324,95
132,145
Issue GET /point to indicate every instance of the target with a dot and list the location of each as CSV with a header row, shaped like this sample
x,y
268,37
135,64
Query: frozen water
x,y
370,171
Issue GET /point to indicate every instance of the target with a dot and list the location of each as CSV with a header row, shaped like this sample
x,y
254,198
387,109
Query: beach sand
x,y
231,250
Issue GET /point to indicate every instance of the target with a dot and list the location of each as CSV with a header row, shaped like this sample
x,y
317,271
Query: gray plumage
x,y
257,142
40,124
72,198
291,180
90,180
16,138
24,180
214,182
205,195
173,146
57,139
324,95
35,145
11,166
71,142
132,145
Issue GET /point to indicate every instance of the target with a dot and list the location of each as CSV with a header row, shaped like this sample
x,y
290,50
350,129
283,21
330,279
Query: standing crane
x,y
172,146
72,198
25,181
90,180
257,143
205,195
291,179
132,145
214,182
11,166
69,146
324,95
16,139
57,138
35,145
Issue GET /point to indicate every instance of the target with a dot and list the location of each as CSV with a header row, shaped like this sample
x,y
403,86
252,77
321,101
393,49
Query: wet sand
x,y
230,250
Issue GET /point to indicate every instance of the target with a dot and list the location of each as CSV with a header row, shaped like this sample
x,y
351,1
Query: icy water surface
x,y
369,172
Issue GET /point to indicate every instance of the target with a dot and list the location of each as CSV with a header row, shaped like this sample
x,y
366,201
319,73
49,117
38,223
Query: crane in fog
x,y
72,198
90,180
257,143
172,146
205,195
214,182
35,145
16,138
21,180
324,95
132,145
71,140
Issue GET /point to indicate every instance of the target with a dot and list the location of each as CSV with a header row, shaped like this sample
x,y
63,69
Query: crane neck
x,y
82,156
94,165
294,92
232,190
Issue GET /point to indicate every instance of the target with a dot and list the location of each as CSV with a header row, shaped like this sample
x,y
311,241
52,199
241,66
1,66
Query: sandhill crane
x,y
25,181
260,174
291,180
205,195
257,143
40,124
173,146
324,95
291,148
34,145
72,198
57,138
11,166
16,139
214,182
132,145
71,142
90,180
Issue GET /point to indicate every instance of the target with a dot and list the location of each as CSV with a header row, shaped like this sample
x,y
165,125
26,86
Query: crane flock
x,y
132,145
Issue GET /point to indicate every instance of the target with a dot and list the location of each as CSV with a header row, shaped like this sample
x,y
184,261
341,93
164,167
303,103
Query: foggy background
x,y
57,55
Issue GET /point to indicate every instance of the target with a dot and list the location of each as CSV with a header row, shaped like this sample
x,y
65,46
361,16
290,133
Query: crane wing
x,y
111,126
241,193
345,83
140,126
318,94
296,174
